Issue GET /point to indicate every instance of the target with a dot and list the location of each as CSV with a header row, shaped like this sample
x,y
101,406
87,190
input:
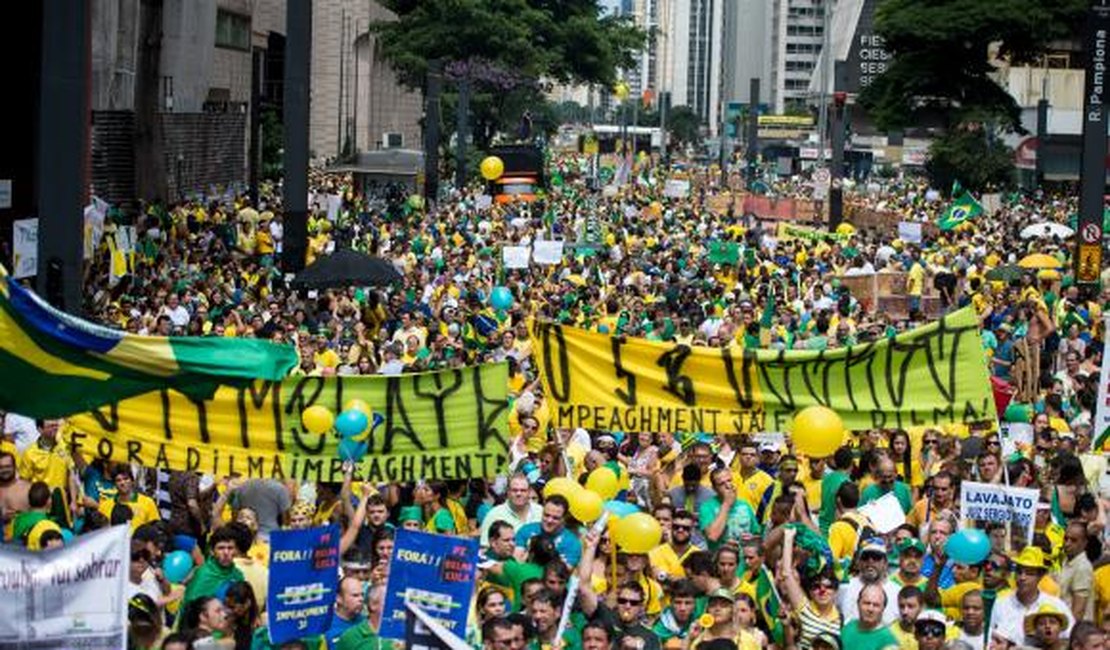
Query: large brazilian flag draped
x,y
53,364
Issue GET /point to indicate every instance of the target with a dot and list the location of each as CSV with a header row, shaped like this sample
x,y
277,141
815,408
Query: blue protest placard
x,y
434,572
304,571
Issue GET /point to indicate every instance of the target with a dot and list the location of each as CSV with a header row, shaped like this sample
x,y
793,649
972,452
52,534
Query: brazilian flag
x,y
964,208
53,364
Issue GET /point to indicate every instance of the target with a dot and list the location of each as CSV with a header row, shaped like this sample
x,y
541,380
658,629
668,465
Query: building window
x,y
233,30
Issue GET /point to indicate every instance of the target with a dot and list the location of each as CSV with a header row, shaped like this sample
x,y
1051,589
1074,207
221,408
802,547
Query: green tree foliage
x,y
272,143
564,40
684,126
508,50
968,154
941,52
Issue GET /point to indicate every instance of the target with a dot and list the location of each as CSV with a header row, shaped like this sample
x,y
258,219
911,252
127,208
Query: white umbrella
x,y
1046,230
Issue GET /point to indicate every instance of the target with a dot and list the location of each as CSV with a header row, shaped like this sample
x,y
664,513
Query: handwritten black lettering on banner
x,y
933,375
439,425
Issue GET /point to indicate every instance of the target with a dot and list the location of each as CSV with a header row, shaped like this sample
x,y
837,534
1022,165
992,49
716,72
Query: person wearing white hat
x,y
871,567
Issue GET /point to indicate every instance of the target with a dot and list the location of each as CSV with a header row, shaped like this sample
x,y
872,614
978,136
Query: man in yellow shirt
x,y
143,508
915,284
751,482
667,558
50,462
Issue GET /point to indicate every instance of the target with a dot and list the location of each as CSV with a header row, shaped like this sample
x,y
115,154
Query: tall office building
x,y
798,32
695,38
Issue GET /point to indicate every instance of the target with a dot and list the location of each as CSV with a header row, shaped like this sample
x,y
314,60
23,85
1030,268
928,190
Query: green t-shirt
x,y
741,520
442,522
851,636
517,573
901,491
829,486
361,637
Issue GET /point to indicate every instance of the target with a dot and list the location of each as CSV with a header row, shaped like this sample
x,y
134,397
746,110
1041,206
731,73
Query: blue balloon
x,y
968,546
352,450
177,565
67,536
184,543
351,423
620,508
501,298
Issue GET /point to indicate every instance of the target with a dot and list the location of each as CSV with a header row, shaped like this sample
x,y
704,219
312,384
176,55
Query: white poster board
x,y
25,248
676,188
550,252
909,232
885,513
999,503
516,257
75,597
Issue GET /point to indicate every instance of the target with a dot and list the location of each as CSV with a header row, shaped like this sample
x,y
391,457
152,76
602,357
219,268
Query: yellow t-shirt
x,y
143,509
1102,591
906,640
752,488
663,558
326,359
51,466
842,540
915,280
952,597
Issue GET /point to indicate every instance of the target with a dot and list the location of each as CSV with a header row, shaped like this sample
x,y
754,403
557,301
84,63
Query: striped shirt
x,y
813,624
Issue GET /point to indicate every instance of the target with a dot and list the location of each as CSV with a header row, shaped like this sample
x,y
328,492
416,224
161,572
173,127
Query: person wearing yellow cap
x,y
1048,625
1010,611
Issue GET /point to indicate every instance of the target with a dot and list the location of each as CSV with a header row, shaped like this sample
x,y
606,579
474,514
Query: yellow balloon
x,y
818,431
845,229
492,168
639,532
603,482
621,90
317,419
586,506
562,486
360,406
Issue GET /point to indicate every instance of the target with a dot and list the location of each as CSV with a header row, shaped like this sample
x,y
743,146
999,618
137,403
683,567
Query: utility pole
x,y
63,136
836,189
822,95
354,93
298,61
664,101
1092,173
258,62
432,85
462,131
753,131
339,104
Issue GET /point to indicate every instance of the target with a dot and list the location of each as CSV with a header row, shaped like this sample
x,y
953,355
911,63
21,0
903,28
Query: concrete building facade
x,y
204,68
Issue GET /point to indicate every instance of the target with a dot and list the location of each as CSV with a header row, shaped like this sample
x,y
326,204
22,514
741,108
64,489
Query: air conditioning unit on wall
x,y
393,140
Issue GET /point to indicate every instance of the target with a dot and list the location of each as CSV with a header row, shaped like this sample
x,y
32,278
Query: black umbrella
x,y
347,268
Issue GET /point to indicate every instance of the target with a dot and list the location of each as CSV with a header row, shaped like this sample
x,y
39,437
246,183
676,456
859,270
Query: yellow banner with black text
x,y
438,425
932,375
